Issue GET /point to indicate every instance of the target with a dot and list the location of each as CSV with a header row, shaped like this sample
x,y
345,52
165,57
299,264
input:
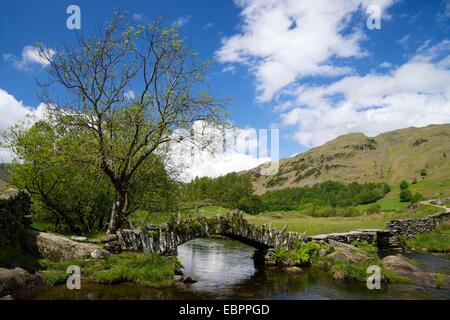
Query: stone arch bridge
x,y
166,239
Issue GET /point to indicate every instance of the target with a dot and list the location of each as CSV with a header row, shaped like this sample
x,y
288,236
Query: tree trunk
x,y
119,208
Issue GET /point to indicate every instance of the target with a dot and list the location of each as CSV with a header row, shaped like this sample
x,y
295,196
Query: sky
x,y
313,70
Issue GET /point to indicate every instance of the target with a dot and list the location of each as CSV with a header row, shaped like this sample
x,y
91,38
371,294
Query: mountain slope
x,y
411,153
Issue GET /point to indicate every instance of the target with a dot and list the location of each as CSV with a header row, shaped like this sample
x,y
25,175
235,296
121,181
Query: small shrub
x,y
423,173
364,245
405,195
302,254
404,185
54,277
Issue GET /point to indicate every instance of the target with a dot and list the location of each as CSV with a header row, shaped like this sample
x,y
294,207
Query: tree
x,y
73,196
132,89
405,195
404,185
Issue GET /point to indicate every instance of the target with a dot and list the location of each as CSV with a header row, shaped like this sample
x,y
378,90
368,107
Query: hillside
x,y
411,153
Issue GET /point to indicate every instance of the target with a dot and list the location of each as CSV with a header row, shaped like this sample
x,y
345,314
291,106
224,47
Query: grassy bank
x,y
145,269
436,241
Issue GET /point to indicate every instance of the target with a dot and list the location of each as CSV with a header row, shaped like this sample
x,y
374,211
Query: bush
x,y
301,255
405,196
423,172
251,205
404,185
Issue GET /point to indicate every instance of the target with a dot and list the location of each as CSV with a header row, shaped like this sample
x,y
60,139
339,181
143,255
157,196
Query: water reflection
x,y
218,265
225,269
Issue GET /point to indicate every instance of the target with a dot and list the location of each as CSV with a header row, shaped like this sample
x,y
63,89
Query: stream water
x,y
225,269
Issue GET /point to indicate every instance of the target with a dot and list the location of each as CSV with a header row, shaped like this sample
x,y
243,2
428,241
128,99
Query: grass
x,y
358,271
441,279
364,245
386,204
13,255
437,241
432,188
145,269
319,225
299,222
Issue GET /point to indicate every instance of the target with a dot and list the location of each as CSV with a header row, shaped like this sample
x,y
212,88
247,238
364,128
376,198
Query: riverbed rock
x,y
339,275
338,256
109,238
19,283
78,238
402,267
99,254
294,270
178,278
56,247
8,297
347,252
189,280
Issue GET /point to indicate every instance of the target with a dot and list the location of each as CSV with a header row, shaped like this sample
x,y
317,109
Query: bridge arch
x,y
166,239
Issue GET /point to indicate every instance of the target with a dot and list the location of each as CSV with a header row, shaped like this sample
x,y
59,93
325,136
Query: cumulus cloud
x,y
210,151
416,93
286,40
12,112
28,58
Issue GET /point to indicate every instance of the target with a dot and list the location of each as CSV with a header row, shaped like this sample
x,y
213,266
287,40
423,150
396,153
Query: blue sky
x,y
310,68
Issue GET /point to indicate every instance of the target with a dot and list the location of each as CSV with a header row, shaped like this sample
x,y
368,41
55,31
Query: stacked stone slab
x,y
14,215
409,228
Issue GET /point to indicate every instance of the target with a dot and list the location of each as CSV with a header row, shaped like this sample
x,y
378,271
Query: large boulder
x,y
346,252
56,247
19,283
402,267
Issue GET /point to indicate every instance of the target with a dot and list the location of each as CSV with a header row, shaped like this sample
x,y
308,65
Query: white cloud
x,y
404,41
228,150
386,65
181,21
28,58
12,112
286,40
129,94
414,94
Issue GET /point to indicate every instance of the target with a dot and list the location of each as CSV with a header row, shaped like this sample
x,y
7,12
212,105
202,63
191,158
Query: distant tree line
x,y
236,191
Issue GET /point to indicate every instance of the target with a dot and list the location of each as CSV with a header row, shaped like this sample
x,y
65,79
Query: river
x,y
225,269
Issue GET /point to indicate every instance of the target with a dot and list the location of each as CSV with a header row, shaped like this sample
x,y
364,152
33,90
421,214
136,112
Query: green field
x,y
299,222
